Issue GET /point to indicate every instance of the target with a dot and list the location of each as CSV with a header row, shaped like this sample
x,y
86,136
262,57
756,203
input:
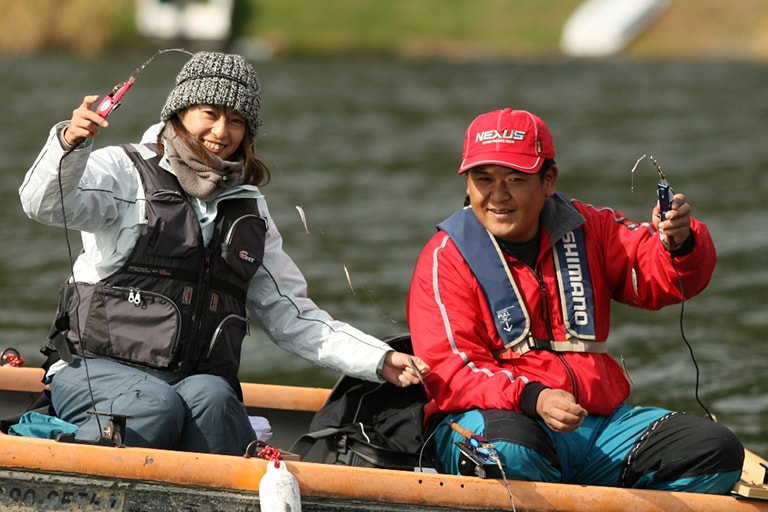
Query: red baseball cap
x,y
511,138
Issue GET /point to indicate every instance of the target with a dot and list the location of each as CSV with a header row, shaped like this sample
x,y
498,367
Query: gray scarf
x,y
198,178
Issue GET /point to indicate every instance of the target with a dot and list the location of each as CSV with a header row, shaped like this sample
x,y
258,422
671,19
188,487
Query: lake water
x,y
369,150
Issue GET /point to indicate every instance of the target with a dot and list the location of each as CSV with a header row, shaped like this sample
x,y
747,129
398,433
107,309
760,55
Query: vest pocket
x,y
234,327
172,229
243,246
127,324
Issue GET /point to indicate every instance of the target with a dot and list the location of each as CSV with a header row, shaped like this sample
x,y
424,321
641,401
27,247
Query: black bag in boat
x,y
371,424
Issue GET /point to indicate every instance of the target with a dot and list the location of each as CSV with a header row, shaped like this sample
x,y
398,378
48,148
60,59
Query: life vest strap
x,y
531,343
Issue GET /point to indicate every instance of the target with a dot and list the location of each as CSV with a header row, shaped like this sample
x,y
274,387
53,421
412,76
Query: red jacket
x,y
453,330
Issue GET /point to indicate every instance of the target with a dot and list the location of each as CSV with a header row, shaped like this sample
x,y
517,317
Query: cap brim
x,y
523,163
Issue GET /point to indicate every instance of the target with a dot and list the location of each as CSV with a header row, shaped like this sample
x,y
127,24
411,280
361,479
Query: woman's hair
x,y
255,171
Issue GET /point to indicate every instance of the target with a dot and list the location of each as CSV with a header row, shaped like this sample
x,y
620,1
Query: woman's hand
x,y
85,123
401,369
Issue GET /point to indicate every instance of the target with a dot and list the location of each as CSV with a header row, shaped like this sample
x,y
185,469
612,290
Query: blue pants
x,y
199,413
639,448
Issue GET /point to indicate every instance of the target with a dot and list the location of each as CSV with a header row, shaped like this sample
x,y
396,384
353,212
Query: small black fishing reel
x,y
112,434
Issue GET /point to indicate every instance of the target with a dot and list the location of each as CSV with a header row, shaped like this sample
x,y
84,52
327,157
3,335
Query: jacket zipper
x,y
550,333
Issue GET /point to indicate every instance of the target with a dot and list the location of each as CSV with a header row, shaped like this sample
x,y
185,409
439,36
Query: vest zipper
x,y
137,296
202,291
134,296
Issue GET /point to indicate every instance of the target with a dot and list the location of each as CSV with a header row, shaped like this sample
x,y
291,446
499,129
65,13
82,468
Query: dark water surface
x,y
369,150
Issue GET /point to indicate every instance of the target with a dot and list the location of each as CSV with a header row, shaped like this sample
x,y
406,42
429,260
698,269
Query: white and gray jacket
x,y
104,200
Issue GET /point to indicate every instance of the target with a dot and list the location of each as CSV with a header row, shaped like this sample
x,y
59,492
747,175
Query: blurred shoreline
x,y
482,29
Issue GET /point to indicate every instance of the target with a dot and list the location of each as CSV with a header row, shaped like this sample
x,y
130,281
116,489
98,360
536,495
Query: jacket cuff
x,y
380,366
529,397
684,249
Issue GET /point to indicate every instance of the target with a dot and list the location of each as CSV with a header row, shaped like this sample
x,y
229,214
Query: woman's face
x,y
219,129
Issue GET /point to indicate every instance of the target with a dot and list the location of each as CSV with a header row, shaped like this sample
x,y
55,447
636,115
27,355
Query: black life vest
x,y
175,304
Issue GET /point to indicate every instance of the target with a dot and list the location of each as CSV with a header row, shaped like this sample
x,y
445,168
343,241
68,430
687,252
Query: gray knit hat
x,y
212,78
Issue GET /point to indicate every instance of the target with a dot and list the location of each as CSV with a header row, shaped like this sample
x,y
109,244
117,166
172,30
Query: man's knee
x,y
525,450
685,453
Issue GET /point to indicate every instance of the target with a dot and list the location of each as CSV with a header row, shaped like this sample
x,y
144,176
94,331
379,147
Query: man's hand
x,y
399,371
85,123
559,410
676,225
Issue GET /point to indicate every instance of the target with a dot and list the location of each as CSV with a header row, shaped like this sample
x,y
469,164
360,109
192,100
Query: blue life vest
x,y
485,258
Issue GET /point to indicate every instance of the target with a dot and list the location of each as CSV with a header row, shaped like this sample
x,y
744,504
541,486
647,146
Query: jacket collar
x,y
559,217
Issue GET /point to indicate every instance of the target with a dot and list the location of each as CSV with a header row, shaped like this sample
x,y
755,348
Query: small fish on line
x,y
633,171
349,280
303,217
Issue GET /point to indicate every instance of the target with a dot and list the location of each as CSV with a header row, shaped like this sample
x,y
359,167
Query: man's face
x,y
508,202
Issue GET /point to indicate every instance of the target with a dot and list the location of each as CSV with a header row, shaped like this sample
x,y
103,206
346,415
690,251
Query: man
x,y
510,306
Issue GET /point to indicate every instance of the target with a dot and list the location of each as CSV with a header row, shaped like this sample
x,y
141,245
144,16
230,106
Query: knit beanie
x,y
213,78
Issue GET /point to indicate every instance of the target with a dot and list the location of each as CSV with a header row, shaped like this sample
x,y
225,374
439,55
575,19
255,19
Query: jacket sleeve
x,y
278,302
642,272
451,330
95,187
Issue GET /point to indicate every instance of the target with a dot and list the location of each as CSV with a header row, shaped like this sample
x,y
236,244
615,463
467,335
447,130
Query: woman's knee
x,y
212,406
208,395
217,421
156,415
107,386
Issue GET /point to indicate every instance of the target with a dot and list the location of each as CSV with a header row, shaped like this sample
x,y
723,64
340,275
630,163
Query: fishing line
x,y
368,292
75,286
496,459
688,344
107,105
682,300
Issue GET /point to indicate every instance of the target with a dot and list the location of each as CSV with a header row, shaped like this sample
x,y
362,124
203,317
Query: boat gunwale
x,y
49,457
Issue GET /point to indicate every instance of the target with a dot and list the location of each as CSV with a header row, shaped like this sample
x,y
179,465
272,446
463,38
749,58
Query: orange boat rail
x,y
48,458
267,396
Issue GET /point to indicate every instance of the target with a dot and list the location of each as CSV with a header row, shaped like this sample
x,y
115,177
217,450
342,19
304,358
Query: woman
x,y
178,245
